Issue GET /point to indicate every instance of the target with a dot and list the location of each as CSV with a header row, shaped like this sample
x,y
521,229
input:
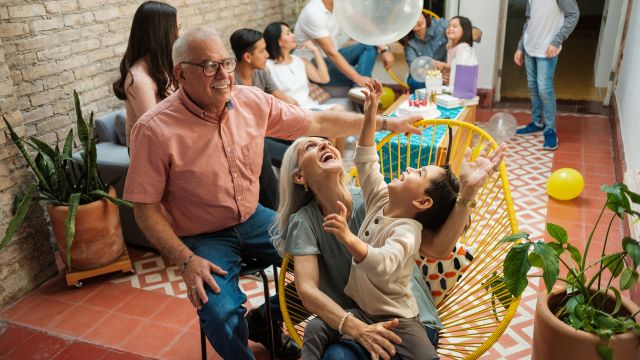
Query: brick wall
x,y
49,48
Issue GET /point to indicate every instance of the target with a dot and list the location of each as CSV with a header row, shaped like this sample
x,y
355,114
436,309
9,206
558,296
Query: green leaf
x,y
557,247
628,279
575,321
70,224
558,233
18,218
605,352
515,237
632,247
68,145
575,253
535,260
572,282
573,302
635,198
516,265
103,194
615,292
615,264
550,263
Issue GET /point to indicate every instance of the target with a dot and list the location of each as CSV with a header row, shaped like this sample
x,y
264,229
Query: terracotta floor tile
x,y
570,147
598,168
113,330
23,304
12,336
151,339
78,320
576,165
186,347
38,346
142,304
82,351
121,355
176,312
42,313
557,214
57,288
109,296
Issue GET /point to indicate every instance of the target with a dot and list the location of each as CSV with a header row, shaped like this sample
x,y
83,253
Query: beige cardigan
x,y
379,284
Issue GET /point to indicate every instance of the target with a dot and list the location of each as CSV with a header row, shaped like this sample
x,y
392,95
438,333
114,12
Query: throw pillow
x,y
317,93
121,129
441,275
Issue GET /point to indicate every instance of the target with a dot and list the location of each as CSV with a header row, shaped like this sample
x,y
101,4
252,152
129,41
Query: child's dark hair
x,y
443,191
467,30
405,40
244,40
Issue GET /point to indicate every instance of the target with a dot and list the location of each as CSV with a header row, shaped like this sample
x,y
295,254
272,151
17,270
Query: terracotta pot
x,y
553,339
98,239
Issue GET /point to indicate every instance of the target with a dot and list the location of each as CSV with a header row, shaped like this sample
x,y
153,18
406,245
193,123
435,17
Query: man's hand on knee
x,y
197,271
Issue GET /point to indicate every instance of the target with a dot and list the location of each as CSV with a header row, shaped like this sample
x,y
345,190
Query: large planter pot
x,y
553,339
98,239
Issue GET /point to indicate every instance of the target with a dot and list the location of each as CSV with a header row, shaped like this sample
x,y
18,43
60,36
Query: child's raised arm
x,y
371,101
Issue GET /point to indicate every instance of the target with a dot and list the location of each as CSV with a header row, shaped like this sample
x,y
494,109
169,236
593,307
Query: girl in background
x,y
146,68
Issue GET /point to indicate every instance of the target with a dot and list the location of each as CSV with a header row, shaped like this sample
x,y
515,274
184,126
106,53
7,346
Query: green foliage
x,y
60,181
584,306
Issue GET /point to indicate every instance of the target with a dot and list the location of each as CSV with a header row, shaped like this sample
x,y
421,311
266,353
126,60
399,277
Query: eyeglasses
x,y
210,68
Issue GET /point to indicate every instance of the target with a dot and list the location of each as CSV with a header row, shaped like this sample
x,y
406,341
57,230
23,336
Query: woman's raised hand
x,y
473,174
309,45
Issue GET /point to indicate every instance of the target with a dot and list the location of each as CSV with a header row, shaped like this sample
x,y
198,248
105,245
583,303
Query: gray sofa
x,y
113,163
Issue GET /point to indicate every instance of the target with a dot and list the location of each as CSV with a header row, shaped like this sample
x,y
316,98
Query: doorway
x,y
574,79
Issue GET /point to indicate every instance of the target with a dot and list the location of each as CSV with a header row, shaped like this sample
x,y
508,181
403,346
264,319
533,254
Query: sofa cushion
x,y
105,126
121,129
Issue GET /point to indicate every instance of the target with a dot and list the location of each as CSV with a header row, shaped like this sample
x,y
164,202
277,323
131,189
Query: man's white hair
x,y
181,50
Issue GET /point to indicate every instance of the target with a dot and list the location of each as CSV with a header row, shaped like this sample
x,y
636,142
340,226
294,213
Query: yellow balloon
x,y
565,184
387,97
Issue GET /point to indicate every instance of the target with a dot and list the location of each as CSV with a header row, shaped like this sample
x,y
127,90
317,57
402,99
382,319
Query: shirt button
x,y
228,149
235,175
366,233
239,197
375,221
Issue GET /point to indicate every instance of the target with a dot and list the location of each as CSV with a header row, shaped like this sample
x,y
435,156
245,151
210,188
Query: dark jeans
x,y
362,57
223,315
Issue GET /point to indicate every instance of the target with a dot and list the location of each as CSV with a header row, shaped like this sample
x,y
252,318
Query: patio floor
x,y
107,320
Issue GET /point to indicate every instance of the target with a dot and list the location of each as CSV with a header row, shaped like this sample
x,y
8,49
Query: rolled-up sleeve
x,y
287,121
148,167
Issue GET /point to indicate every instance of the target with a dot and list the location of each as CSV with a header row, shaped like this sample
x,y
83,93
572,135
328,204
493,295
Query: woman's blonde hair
x,y
292,196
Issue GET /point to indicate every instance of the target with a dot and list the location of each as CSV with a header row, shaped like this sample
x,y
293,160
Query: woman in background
x,y
146,68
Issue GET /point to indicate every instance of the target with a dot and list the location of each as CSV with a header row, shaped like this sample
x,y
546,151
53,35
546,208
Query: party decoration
x,y
565,184
377,22
387,97
421,66
502,127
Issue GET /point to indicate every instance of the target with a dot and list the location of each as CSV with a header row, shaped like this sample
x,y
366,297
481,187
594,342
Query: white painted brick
x,y
78,19
47,24
60,6
38,71
23,11
9,30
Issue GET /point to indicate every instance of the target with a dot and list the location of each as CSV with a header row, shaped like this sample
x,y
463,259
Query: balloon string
x,y
396,79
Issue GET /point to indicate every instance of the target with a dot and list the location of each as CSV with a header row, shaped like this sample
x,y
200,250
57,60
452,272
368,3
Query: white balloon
x,y
377,22
420,66
502,127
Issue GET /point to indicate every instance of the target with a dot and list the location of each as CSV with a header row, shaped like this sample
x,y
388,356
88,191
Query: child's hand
x,y
372,96
336,224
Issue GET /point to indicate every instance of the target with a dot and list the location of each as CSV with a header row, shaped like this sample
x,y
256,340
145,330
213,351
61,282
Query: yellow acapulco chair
x,y
478,308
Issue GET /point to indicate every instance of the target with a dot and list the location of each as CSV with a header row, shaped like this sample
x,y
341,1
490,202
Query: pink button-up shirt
x,y
205,170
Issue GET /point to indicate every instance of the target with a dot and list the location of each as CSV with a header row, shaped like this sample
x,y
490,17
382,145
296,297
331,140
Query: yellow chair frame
x,y
478,309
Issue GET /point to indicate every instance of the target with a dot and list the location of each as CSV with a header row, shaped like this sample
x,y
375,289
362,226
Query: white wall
x,y
627,91
483,15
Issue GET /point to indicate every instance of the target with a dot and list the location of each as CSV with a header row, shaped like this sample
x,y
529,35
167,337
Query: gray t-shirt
x,y
305,236
261,79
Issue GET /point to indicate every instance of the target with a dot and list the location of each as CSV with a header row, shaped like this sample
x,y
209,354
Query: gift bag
x,y
464,74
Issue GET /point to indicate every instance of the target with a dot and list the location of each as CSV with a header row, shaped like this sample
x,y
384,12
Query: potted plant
x,y
83,209
587,318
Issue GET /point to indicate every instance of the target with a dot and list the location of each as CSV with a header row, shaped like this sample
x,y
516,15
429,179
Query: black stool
x,y
250,268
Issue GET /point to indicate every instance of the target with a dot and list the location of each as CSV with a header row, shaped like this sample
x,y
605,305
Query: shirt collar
x,y
198,111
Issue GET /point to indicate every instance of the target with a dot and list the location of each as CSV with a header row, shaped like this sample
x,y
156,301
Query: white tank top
x,y
292,80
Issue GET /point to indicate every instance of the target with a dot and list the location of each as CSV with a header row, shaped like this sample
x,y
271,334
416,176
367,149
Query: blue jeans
x,y
540,72
352,350
223,315
362,57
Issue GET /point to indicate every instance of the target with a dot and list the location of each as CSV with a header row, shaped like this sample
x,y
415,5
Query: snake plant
x,y
60,181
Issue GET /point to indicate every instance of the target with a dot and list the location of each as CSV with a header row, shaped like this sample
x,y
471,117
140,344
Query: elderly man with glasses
x,y
198,153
